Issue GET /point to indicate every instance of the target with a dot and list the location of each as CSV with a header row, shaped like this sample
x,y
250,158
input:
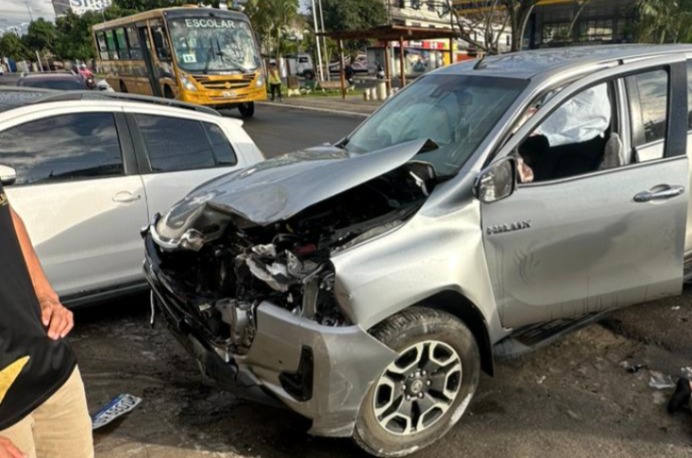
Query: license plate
x,y
230,94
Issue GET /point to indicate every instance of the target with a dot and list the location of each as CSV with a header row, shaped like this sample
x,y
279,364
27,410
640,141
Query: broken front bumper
x,y
321,372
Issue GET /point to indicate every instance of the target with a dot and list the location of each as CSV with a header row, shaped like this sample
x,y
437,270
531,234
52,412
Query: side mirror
x,y
8,175
497,181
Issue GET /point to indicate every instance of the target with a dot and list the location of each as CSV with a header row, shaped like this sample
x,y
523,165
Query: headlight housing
x,y
187,83
260,81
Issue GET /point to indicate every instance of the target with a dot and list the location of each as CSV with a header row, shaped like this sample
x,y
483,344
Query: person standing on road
x,y
275,81
43,409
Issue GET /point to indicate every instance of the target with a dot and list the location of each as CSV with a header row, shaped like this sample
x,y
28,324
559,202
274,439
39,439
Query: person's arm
x,y
55,317
8,449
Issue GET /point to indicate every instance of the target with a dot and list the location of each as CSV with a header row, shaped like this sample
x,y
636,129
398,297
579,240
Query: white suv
x,y
86,171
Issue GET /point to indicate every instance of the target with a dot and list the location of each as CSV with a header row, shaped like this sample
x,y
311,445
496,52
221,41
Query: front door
x,y
148,60
81,208
603,224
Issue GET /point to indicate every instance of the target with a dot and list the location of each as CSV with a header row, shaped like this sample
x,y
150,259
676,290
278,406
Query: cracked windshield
x,y
455,112
214,45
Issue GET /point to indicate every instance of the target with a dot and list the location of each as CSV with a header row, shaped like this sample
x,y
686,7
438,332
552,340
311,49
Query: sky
x,y
16,12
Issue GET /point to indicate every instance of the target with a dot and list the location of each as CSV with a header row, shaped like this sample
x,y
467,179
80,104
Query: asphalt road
x,y
278,130
573,398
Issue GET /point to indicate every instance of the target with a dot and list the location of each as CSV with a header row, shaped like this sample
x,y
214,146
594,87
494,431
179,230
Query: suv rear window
x,y
175,144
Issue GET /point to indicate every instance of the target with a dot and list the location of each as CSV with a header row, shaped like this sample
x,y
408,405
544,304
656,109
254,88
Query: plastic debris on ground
x,y
660,381
634,368
675,307
116,408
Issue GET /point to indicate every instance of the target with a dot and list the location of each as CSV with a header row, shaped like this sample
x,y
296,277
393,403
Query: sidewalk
x,y
352,105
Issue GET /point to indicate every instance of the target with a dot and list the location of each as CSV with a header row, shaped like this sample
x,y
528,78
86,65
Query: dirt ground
x,y
573,398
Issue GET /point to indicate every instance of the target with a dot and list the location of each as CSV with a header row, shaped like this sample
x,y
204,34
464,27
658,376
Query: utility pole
x,y
28,8
317,40
324,41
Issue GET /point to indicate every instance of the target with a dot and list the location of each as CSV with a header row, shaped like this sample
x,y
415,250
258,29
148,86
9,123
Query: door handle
x,y
668,193
125,197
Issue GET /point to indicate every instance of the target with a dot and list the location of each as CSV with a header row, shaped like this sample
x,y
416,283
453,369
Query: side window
x,y
163,51
110,41
65,147
579,137
122,43
133,41
648,96
103,47
223,151
175,144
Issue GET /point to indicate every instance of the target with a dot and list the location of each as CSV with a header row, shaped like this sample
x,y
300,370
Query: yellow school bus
x,y
200,55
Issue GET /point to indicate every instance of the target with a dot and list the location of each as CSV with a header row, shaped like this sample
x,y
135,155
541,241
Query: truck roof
x,y
545,62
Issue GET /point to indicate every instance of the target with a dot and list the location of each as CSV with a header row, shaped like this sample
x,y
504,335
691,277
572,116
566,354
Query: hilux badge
x,y
515,226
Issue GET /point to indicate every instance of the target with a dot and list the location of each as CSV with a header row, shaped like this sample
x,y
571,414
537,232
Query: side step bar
x,y
529,338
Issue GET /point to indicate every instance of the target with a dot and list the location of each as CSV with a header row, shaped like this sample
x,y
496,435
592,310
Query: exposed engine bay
x,y
225,266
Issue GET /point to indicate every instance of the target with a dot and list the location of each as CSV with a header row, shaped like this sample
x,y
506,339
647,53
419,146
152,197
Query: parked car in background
x,y
300,65
88,170
485,210
62,81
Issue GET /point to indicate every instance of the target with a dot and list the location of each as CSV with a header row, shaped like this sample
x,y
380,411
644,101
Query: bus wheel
x,y
168,93
246,109
123,88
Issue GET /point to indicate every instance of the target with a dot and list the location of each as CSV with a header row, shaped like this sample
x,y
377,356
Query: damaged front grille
x,y
226,274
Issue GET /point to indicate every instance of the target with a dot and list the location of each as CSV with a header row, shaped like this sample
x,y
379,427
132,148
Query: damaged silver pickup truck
x,y
486,209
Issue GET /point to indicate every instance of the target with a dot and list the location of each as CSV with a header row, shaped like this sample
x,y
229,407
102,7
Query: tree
x,y
271,20
40,35
74,39
519,12
353,15
664,21
12,46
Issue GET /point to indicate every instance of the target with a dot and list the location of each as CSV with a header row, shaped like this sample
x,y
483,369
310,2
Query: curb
x,y
323,110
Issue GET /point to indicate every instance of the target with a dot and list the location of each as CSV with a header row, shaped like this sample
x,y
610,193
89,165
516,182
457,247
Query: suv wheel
x,y
425,391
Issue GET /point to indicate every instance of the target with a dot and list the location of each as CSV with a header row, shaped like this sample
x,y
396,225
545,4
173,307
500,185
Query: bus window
x,y
103,47
133,41
110,41
163,51
122,43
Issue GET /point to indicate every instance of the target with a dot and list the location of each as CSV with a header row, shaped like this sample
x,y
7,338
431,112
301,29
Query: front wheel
x,y
247,110
426,390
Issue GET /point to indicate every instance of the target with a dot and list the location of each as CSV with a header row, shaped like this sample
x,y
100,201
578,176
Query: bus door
x,y
148,60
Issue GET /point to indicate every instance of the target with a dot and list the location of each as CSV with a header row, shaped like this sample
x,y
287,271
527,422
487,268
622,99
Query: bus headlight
x,y
187,83
260,81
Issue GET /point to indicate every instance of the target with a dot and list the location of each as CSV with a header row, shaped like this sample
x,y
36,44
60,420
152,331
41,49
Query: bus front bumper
x,y
229,98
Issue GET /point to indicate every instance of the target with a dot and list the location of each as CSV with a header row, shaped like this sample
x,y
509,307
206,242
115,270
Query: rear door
x,y
604,238
177,154
79,195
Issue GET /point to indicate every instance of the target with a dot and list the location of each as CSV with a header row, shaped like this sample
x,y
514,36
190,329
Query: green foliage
x,y
664,21
271,19
40,36
11,46
353,15
74,35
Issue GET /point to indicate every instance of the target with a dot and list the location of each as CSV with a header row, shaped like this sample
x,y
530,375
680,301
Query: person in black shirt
x,y
43,411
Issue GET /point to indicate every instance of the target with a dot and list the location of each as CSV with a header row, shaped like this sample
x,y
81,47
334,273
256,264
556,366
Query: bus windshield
x,y
216,45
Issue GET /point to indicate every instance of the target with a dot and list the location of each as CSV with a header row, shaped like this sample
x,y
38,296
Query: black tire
x,y
418,325
309,75
123,88
247,110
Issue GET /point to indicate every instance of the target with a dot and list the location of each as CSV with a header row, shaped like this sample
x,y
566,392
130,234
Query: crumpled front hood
x,y
278,188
